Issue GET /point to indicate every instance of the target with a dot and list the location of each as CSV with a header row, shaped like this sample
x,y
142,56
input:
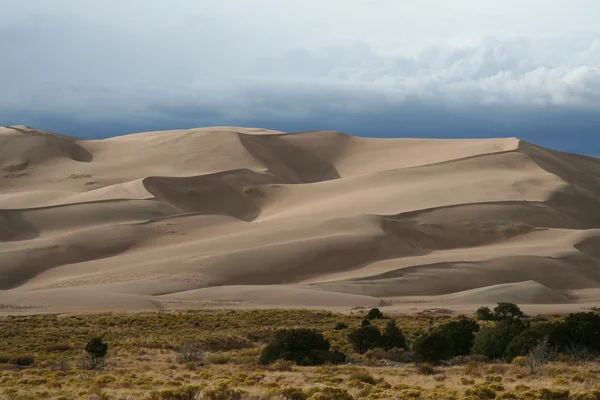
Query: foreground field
x,y
144,362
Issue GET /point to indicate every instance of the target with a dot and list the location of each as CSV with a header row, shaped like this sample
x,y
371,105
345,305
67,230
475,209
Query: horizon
x,y
370,68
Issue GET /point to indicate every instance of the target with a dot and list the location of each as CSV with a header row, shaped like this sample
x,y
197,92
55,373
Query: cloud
x,y
133,62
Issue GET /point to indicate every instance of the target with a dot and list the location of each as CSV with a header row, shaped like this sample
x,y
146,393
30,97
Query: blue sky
x,y
464,68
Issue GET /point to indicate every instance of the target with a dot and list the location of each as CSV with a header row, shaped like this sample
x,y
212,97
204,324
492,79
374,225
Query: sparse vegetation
x,y
39,354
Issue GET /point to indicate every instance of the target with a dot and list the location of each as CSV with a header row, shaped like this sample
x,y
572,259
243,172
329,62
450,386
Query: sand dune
x,y
245,217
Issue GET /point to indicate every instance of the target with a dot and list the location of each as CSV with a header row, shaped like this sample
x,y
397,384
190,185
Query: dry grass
x,y
143,363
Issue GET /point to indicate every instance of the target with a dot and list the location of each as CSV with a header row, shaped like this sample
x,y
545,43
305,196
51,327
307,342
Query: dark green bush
x,y
365,338
340,326
484,314
462,333
581,329
302,346
393,336
521,344
507,311
492,342
96,348
433,347
374,313
501,312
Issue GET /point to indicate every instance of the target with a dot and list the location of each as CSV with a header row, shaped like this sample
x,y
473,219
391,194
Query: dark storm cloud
x,y
372,68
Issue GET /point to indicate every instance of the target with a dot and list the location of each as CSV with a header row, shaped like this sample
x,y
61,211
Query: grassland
x,y
143,362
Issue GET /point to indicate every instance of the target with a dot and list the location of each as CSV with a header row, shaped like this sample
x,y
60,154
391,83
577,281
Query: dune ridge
x,y
248,217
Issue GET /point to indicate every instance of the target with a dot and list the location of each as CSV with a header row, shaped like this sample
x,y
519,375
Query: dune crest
x,y
248,217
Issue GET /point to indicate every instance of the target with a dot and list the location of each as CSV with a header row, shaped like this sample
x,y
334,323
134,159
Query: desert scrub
x,y
289,393
218,358
482,391
363,376
329,393
223,392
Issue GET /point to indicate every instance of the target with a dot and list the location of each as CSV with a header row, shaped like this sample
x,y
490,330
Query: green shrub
x,y
461,333
340,326
481,391
522,344
302,346
374,313
503,311
97,348
492,342
393,336
433,347
484,314
365,338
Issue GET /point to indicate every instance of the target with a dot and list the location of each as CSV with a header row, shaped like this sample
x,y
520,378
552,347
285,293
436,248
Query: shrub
x,y
554,394
393,336
22,359
292,393
223,392
374,313
302,346
462,334
481,391
484,314
581,329
4,359
56,347
218,358
282,366
365,338
340,326
492,342
426,369
521,344
363,376
433,347
183,393
376,354
504,311
519,361
96,347
190,353
399,355
96,351
330,393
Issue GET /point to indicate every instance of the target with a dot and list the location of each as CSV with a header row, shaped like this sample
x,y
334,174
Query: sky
x,y
376,68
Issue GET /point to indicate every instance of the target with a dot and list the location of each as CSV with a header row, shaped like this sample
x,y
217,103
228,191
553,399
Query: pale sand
x,y
236,217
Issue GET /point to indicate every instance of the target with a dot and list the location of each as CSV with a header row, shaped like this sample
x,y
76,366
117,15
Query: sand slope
x,y
241,217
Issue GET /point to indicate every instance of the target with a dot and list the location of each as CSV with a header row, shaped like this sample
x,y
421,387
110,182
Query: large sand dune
x,y
240,217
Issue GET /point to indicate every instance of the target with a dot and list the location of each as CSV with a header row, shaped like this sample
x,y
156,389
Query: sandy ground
x,y
239,217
